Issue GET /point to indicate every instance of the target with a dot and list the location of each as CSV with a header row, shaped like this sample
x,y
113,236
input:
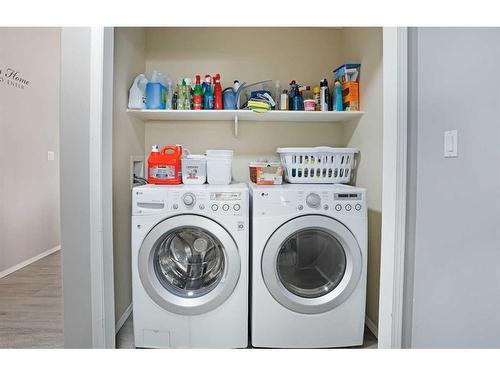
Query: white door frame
x,y
395,71
101,198
395,63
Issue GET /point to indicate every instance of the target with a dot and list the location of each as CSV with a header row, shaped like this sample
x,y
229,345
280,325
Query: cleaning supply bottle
x,y
184,95
137,93
324,95
198,95
181,97
236,86
155,92
277,95
208,93
284,101
169,96
298,102
164,167
292,92
207,82
189,93
337,98
174,100
317,98
217,92
208,96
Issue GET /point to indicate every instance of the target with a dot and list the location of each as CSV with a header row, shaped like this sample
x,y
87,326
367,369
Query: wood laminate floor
x,y
31,309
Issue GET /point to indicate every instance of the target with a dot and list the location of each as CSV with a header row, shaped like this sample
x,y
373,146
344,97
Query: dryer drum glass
x,y
311,263
189,262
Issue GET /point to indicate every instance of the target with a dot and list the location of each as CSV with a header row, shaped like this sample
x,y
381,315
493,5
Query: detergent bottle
x,y
217,92
208,96
137,93
155,92
164,166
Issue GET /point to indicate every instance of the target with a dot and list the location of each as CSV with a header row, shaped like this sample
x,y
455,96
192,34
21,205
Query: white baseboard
x,y
27,262
371,326
123,318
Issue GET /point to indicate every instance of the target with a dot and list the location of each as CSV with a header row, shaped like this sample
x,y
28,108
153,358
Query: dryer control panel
x,y
321,201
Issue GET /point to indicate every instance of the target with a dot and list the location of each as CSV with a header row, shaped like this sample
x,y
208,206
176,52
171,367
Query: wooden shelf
x,y
244,115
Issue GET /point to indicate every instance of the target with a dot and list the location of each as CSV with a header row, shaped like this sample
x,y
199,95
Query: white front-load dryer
x,y
190,266
309,264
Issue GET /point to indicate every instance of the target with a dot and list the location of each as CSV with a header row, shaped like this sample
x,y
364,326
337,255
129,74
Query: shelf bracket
x,y
236,126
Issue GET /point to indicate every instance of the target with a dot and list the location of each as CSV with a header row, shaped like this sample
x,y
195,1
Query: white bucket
x,y
219,166
194,169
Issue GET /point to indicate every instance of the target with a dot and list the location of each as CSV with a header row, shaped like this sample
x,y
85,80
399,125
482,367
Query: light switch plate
x,y
50,155
451,144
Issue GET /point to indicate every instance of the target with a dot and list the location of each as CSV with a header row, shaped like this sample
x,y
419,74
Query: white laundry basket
x,y
317,165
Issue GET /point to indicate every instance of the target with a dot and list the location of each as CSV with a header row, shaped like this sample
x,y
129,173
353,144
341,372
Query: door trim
x,y
327,302
100,187
395,77
183,305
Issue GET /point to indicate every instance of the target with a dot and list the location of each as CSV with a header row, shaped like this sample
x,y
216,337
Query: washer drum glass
x,y
189,262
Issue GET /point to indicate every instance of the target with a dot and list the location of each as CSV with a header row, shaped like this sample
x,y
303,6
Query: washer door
x,y
311,264
189,264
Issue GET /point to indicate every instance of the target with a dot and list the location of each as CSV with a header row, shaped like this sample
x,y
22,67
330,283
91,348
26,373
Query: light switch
x,y
451,144
50,155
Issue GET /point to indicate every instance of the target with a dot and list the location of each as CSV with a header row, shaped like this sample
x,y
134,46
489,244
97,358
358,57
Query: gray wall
x,y
75,200
29,128
456,287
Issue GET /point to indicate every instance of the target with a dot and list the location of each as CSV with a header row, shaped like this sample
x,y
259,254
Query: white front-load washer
x,y
309,262
190,266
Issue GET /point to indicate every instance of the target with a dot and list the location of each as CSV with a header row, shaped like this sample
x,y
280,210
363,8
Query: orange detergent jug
x,y
164,167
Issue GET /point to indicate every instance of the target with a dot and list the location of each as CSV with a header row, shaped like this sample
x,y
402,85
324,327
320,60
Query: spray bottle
x,y
198,95
208,96
217,92
337,99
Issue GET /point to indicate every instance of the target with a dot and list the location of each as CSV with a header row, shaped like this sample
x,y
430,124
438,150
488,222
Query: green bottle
x,y
198,95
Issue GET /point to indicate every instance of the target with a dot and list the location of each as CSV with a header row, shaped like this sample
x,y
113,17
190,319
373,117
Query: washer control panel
x,y
152,199
220,203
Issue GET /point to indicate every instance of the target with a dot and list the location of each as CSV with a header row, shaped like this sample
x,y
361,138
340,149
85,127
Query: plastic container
x,y
155,95
194,169
219,166
164,167
309,104
318,165
137,93
266,173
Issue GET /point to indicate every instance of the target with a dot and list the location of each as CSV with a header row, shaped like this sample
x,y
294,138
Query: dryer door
x,y
311,264
189,264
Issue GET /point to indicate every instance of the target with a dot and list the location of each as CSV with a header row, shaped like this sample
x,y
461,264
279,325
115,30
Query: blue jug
x,y
155,95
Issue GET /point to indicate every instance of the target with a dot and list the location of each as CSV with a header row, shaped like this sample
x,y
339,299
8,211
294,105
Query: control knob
x,y
189,199
313,200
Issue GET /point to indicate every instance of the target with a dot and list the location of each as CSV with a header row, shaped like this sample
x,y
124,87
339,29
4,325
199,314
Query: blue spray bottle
x,y
208,95
337,98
